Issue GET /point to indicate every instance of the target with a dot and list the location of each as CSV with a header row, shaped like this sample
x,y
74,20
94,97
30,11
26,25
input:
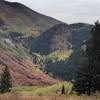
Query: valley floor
x,y
56,97
46,93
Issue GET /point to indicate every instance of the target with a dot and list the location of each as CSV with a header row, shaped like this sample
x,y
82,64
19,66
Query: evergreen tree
x,y
63,90
87,79
5,81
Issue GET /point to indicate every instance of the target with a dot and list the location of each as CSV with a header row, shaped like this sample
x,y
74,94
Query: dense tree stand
x,y
87,80
5,81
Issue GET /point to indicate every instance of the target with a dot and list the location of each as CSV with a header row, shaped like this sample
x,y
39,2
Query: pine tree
x,y
63,90
87,79
5,81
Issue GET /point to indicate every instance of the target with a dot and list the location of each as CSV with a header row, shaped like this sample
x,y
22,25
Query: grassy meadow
x,y
45,93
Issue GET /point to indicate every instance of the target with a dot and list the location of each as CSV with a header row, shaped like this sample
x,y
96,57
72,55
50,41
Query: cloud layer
x,y
69,11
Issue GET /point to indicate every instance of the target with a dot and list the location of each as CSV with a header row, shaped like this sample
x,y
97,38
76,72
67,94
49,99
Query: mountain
x,y
19,18
19,61
24,32
75,36
18,22
55,38
61,38
80,33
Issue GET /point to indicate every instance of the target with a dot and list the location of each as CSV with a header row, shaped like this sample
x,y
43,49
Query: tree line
x,y
87,79
5,83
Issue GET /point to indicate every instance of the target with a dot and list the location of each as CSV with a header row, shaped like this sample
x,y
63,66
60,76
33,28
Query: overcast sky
x,y
68,11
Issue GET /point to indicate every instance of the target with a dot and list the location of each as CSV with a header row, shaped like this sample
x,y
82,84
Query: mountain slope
x,y
17,22
23,72
62,38
19,18
55,38
23,32
79,33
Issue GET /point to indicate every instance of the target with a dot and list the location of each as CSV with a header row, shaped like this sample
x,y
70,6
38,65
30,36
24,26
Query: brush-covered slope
x,y
18,22
55,38
23,72
65,69
61,38
80,33
23,32
19,18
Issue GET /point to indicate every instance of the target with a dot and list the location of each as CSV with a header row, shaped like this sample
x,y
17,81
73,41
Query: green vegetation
x,y
54,63
18,51
87,80
49,90
5,85
59,55
54,89
24,89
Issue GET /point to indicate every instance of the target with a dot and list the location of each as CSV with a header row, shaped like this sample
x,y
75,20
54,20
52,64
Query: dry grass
x,y
32,97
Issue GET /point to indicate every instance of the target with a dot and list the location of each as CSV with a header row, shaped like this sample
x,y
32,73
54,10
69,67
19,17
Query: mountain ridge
x,y
13,27
22,16
23,32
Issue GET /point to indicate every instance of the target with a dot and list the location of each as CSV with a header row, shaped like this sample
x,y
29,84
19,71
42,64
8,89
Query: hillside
x,y
80,33
17,22
19,18
23,72
24,32
55,38
74,35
